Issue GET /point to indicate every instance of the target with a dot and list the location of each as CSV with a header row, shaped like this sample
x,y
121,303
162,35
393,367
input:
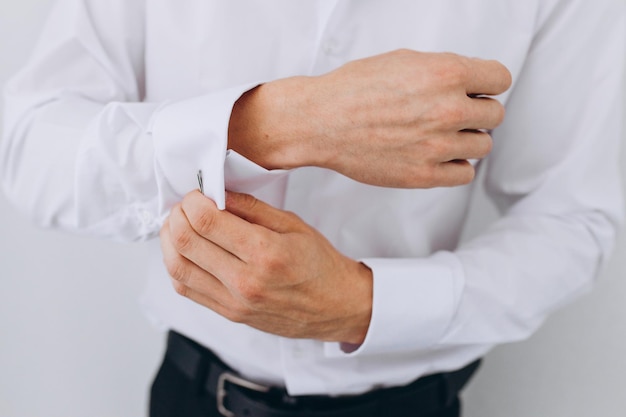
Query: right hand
x,y
402,119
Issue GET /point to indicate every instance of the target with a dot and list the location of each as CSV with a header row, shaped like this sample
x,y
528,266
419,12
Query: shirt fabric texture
x,y
123,101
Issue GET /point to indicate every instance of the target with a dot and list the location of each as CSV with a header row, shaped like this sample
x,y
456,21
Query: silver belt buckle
x,y
235,380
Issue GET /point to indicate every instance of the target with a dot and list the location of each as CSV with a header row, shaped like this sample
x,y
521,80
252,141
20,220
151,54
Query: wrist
x,y
362,300
271,125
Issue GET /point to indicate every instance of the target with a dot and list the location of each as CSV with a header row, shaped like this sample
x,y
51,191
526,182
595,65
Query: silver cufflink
x,y
200,184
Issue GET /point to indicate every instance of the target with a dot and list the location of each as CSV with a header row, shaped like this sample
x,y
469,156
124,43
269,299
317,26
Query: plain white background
x,y
73,342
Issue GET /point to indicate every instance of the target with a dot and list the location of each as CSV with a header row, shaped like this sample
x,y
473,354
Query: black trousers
x,y
175,394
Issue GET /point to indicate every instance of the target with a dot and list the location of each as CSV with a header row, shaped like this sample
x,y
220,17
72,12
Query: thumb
x,y
258,212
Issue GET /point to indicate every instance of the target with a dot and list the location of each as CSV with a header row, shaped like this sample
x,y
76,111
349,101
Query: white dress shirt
x,y
124,101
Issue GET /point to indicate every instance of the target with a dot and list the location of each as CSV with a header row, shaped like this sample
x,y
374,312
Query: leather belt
x,y
237,396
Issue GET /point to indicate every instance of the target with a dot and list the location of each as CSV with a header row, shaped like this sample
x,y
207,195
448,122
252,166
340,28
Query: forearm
x,y
377,120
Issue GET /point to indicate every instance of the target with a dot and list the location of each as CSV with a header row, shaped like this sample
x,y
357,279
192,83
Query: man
x,y
365,119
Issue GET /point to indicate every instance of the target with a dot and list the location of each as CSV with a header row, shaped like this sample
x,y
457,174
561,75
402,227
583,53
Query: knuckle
x,y
435,148
268,258
453,70
451,113
182,239
427,176
249,200
273,261
180,288
205,222
250,291
177,270
405,52
237,313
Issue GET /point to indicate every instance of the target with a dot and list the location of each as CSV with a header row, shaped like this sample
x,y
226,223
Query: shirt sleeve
x,y
83,150
554,176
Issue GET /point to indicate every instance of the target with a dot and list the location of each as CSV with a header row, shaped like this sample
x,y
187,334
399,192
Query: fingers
x,y
467,113
186,275
203,252
225,229
256,211
205,272
471,145
454,173
468,144
483,113
486,77
454,168
231,311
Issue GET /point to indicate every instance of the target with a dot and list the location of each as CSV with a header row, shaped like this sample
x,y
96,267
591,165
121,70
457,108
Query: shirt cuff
x,y
191,135
244,176
414,301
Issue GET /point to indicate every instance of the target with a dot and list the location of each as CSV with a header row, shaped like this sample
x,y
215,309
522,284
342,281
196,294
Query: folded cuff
x,y
414,301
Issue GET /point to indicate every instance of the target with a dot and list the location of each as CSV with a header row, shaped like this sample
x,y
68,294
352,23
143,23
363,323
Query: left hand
x,y
265,267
